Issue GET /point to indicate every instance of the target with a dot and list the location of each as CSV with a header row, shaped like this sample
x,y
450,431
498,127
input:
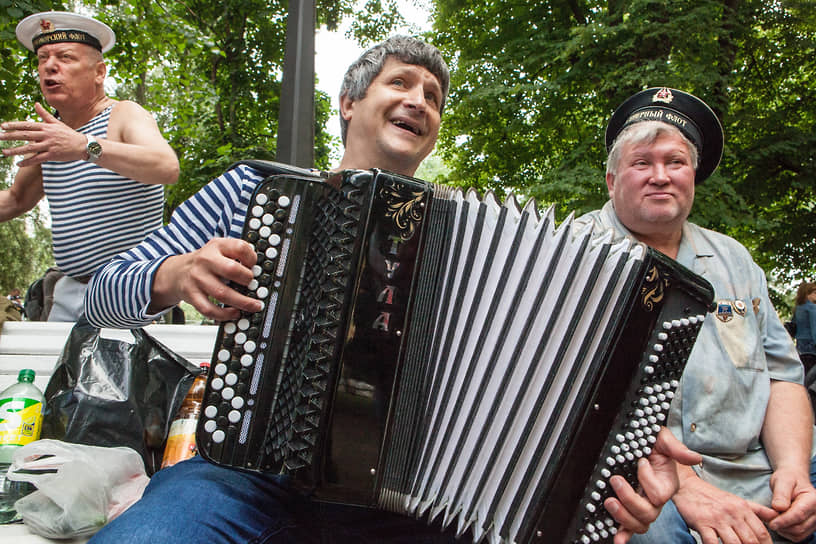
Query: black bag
x,y
34,300
107,392
39,297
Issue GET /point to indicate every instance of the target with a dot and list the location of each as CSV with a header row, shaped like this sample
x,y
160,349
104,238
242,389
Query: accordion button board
x,y
233,392
447,357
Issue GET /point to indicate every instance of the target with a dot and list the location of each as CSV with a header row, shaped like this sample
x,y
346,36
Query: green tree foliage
x,y
534,83
210,72
25,242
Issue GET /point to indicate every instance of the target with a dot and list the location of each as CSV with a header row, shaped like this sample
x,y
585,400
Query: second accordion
x,y
431,353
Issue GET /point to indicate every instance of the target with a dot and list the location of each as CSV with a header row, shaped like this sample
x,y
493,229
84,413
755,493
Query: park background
x,y
533,84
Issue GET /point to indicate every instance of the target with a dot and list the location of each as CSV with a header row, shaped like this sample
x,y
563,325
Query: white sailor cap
x,y
60,26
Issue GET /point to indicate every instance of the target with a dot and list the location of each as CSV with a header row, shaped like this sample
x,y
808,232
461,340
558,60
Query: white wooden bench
x,y
37,345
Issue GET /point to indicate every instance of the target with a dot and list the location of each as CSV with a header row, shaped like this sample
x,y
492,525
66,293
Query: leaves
x,y
209,71
534,83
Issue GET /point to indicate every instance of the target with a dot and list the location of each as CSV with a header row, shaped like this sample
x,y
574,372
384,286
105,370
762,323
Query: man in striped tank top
x,y
101,163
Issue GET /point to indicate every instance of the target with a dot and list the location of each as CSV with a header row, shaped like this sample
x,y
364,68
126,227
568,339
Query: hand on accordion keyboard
x,y
658,480
199,278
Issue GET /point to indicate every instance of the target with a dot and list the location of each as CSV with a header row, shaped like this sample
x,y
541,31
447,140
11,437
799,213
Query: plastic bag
x,y
107,392
79,488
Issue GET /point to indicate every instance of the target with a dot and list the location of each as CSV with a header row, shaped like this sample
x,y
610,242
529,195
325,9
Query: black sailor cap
x,y
685,111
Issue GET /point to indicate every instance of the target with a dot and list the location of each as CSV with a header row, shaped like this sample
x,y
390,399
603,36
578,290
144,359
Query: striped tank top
x,y
96,213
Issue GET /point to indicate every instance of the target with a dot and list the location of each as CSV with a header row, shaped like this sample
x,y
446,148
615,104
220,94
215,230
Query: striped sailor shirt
x,y
96,213
119,294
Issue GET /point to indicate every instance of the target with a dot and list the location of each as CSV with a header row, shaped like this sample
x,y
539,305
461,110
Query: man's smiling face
x,y
396,124
653,188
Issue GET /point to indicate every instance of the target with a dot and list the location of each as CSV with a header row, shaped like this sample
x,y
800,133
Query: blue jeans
x,y
198,502
671,527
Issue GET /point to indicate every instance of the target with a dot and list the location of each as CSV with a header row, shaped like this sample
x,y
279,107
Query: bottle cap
x,y
26,375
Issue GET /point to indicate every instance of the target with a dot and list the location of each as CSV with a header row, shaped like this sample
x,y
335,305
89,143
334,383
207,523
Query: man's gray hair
x,y
403,48
645,132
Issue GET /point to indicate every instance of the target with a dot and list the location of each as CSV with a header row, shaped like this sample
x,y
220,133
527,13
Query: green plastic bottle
x,y
21,407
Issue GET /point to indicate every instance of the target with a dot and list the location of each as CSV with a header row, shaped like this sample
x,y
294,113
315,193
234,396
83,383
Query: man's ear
x,y
101,71
610,183
346,107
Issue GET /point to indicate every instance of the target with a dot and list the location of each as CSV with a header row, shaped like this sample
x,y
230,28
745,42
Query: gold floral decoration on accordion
x,y
403,207
654,288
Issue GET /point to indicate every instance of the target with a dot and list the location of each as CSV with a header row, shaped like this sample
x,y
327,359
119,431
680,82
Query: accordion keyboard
x,y
233,386
266,388
635,430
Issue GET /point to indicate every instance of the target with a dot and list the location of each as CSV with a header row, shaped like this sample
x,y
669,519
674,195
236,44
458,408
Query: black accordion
x,y
438,355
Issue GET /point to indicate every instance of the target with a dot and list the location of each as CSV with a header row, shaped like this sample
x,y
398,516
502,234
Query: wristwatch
x,y
93,148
